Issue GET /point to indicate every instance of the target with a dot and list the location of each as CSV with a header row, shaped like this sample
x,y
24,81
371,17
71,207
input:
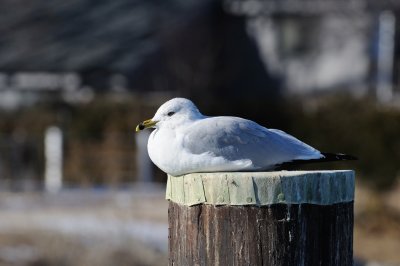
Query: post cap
x,y
262,188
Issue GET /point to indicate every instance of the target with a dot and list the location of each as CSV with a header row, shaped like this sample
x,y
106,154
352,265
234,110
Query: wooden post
x,y
261,218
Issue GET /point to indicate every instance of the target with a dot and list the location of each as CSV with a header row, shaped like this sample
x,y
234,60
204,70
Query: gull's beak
x,y
146,124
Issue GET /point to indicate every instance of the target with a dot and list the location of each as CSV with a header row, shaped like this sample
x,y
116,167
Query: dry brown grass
x,y
45,248
377,227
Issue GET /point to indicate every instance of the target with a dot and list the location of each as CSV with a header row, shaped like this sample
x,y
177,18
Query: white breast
x,y
166,151
163,148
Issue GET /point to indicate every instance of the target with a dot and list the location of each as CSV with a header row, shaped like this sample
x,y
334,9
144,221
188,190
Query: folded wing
x,y
235,139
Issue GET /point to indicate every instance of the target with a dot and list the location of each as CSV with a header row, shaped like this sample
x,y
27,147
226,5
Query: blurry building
x,y
319,46
81,47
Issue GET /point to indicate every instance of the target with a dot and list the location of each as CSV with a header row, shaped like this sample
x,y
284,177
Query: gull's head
x,y
172,114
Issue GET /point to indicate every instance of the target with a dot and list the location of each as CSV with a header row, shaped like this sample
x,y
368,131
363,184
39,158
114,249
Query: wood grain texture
x,y
278,234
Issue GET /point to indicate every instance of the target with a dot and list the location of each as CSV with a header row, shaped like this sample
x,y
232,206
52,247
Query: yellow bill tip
x,y
145,124
139,127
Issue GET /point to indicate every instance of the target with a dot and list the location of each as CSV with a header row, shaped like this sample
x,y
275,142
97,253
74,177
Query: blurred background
x,y
76,184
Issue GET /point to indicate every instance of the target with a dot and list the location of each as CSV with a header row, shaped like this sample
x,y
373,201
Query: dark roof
x,y
78,35
118,36
189,46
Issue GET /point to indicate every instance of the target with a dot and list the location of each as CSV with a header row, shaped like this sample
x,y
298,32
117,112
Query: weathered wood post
x,y
261,218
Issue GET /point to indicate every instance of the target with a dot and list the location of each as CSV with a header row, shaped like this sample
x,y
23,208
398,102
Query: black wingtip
x,y
328,157
338,157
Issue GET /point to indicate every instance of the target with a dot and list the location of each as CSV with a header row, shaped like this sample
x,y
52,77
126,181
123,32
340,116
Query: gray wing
x,y
237,139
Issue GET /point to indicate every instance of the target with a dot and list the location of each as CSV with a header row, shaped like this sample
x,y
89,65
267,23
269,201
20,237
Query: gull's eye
x,y
170,113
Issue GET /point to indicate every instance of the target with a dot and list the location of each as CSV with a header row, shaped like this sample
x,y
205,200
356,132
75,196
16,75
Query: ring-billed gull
x,y
185,141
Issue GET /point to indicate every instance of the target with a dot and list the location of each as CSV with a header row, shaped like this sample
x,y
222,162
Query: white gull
x,y
185,141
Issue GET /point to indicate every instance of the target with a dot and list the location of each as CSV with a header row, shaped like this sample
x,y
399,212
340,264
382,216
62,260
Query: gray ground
x,y
84,227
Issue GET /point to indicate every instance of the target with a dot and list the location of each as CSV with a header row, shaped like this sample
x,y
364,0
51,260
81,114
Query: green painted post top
x,y
262,188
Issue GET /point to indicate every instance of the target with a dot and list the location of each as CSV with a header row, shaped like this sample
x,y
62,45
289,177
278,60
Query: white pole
x,y
384,86
53,148
144,165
